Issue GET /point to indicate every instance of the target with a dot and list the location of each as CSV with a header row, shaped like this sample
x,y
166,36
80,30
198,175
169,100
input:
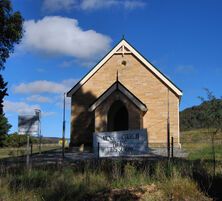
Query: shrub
x,y
182,189
29,180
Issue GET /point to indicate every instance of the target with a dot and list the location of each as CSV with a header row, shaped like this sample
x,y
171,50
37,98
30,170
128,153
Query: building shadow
x,y
82,120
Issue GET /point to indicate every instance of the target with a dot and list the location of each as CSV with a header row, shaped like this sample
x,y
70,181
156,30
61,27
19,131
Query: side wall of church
x,y
142,83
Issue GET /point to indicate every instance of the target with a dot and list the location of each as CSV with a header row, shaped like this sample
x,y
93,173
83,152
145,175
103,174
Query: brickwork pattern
x,y
142,83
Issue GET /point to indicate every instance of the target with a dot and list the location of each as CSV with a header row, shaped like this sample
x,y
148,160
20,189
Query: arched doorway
x,y
118,119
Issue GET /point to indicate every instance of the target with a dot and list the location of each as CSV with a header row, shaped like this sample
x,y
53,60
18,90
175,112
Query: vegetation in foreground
x,y
121,180
198,144
103,180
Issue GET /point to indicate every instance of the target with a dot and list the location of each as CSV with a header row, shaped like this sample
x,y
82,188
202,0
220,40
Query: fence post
x,y
98,149
168,140
172,147
31,148
27,152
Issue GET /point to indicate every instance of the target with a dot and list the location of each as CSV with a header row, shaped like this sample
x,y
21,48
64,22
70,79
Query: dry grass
x,y
15,152
199,145
105,181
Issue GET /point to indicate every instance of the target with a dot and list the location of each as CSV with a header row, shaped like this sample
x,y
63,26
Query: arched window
x,y
118,118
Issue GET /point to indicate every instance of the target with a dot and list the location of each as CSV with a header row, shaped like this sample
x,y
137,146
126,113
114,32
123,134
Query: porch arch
x,y
118,117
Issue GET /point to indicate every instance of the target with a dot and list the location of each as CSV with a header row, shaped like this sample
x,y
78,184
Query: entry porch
x,y
117,109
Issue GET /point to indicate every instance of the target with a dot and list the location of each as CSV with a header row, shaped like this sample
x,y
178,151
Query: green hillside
x,y
192,118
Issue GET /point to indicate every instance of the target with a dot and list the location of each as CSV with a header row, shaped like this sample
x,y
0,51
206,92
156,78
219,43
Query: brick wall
x,y
142,83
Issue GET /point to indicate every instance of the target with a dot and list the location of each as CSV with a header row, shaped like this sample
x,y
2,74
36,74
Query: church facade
x,y
124,91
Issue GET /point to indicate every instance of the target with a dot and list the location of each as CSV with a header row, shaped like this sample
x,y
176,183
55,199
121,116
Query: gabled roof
x,y
123,47
117,86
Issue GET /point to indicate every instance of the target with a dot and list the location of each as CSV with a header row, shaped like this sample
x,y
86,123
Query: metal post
x,y
98,149
40,151
38,114
40,133
31,145
172,147
63,128
168,130
168,140
27,152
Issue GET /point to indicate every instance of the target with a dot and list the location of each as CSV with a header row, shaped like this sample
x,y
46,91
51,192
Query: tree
x,y
212,118
10,30
4,128
15,140
10,34
4,125
3,93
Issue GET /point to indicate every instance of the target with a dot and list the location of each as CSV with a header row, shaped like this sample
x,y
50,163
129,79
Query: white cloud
x,y
47,114
69,83
19,107
60,101
97,4
38,99
58,5
67,64
130,5
44,86
55,5
23,108
62,36
71,63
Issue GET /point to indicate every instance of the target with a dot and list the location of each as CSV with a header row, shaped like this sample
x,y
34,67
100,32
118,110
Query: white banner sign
x,y
28,124
120,143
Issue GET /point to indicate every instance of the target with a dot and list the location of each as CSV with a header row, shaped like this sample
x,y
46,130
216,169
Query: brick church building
x,y
124,91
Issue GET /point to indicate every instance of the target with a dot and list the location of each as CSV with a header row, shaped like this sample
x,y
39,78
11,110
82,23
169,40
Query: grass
x,y
15,152
102,180
205,152
199,146
179,180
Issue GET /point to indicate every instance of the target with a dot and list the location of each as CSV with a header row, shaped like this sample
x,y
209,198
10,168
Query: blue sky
x,y
63,39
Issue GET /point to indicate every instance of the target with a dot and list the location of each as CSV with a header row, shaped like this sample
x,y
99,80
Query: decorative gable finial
x,y
123,37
